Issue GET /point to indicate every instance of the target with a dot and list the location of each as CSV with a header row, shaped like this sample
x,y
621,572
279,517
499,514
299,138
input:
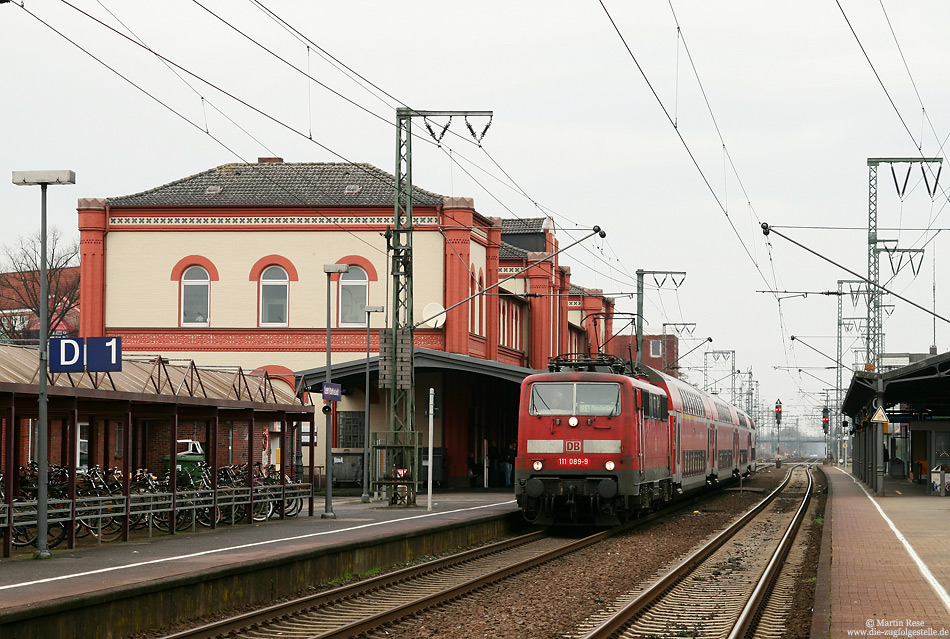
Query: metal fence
x,y
103,516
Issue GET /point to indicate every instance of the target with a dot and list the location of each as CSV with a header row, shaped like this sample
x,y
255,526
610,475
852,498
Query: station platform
x,y
885,561
100,572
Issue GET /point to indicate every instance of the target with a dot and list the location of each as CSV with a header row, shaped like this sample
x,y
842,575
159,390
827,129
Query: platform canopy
x,y
424,359
149,381
923,387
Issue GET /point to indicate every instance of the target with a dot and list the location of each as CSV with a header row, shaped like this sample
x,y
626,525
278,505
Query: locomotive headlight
x,y
572,422
537,465
609,465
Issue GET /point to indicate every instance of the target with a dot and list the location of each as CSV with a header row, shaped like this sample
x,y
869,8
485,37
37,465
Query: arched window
x,y
195,297
274,289
354,295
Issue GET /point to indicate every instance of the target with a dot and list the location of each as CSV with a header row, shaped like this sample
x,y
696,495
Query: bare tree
x,y
20,288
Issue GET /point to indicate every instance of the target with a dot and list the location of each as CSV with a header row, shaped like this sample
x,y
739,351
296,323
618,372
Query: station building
x,y
910,436
226,268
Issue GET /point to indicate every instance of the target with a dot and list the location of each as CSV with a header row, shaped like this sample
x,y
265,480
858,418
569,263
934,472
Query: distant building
x,y
892,361
659,351
19,305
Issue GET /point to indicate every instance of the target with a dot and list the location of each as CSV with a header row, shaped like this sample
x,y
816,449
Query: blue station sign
x,y
78,354
332,392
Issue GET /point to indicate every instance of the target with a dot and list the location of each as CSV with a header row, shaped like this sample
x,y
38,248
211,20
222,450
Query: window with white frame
x,y
195,297
274,289
354,295
656,348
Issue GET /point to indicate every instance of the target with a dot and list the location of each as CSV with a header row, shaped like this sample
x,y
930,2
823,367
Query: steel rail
x,y
423,603
238,622
265,615
752,608
674,576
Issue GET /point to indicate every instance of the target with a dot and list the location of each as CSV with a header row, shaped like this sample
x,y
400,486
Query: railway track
x,y
369,604
724,589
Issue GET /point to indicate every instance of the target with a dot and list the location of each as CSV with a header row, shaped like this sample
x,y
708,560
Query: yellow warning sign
x,y
879,417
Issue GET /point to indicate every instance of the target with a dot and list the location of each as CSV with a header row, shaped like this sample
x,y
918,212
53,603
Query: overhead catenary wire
x,y
173,66
884,88
610,275
767,229
696,164
217,139
682,139
310,43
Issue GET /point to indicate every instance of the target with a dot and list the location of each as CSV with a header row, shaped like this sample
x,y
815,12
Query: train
x,y
601,442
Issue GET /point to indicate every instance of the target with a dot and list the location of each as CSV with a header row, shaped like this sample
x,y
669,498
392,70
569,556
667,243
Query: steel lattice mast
x,y
396,348
856,287
875,326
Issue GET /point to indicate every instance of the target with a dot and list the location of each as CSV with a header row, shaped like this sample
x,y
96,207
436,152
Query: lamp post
x,y
366,434
43,179
328,513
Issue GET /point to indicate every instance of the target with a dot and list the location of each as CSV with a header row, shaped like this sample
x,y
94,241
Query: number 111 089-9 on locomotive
x,y
598,444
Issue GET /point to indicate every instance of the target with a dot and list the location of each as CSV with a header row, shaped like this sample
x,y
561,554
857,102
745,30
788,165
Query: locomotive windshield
x,y
595,400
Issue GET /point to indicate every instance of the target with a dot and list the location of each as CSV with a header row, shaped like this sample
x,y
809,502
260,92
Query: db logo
x,y
573,447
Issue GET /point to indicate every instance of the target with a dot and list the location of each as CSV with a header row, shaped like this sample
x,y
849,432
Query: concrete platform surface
x,y
72,573
888,570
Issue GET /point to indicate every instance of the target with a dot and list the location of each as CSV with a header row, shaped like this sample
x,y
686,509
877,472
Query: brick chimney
x,y
270,160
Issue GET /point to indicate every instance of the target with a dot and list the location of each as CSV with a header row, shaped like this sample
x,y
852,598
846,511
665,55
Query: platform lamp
x,y
43,179
328,513
366,434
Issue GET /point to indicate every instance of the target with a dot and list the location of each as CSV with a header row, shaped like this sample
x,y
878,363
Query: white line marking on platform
x,y
242,546
924,570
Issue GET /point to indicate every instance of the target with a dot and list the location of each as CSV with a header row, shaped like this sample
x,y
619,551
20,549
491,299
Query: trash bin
x,y
438,467
188,460
347,466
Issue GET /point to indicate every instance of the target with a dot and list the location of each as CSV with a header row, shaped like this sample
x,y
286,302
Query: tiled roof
x,y
17,287
577,290
527,225
508,252
279,184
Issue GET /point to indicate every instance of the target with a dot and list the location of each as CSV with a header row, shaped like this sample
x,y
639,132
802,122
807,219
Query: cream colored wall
x,y
141,294
428,272
516,285
478,256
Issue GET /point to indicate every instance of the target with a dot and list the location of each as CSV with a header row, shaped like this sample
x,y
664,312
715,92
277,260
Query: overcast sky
x,y
582,131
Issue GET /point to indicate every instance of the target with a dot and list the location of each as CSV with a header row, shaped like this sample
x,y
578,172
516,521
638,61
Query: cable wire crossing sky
x,y
678,127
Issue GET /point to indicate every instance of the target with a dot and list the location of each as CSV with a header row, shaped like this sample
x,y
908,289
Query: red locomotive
x,y
597,444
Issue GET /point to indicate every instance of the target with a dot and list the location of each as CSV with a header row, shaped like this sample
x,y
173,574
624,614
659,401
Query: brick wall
x,y
151,437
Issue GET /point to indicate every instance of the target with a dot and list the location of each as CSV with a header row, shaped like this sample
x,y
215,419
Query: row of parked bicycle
x,y
101,508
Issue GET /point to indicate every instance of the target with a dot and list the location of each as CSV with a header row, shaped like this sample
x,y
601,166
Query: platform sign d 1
x,y
104,354
67,355
332,392
78,354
